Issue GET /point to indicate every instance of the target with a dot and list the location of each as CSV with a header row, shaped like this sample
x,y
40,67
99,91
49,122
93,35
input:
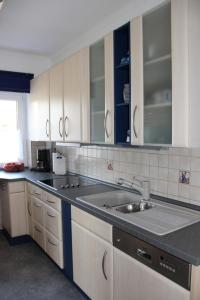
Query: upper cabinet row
x,y
135,86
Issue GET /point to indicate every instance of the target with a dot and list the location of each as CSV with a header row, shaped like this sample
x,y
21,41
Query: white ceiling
x,y
46,26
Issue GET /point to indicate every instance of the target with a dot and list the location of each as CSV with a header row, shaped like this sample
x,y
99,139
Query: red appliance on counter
x,y
14,167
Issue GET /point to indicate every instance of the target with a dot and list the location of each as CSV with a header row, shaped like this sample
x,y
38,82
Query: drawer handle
x,y
38,230
103,265
51,201
37,205
50,242
36,193
134,129
52,216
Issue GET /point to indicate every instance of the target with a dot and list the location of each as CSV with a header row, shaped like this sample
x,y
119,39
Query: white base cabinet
x,y
45,222
14,209
92,257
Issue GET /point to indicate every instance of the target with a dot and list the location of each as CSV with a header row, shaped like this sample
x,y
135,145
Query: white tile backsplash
x,y
161,167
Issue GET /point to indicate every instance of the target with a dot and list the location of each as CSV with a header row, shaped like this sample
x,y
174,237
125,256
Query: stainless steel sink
x,y
155,216
134,207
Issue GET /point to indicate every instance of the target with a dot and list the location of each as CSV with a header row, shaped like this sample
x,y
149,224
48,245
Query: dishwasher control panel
x,y
166,264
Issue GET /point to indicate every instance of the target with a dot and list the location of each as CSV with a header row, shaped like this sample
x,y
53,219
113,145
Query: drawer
x,y
16,187
36,191
53,222
95,225
38,210
52,200
54,249
39,234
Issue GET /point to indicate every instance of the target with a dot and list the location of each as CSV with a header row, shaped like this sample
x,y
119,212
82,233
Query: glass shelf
x,y
157,60
123,65
158,105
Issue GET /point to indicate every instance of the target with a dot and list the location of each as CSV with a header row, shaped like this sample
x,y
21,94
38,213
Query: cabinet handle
x,y
28,208
37,205
52,216
134,113
51,201
103,265
36,193
47,123
66,121
38,230
105,123
50,242
60,128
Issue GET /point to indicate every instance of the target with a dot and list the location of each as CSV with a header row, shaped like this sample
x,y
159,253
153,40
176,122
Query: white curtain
x,y
13,135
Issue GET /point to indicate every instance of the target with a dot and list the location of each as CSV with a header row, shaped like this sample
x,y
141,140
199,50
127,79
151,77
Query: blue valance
x,y
15,81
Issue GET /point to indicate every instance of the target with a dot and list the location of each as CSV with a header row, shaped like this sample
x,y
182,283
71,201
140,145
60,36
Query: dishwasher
x,y
145,272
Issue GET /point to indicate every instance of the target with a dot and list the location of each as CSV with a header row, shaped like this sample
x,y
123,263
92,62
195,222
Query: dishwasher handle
x,y
143,254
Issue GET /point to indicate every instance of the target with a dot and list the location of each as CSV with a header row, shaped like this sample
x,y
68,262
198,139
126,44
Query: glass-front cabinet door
x,y
102,91
157,74
97,93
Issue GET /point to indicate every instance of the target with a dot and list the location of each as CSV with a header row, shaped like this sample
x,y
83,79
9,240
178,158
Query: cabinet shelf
x,y
157,60
122,104
122,65
157,106
97,79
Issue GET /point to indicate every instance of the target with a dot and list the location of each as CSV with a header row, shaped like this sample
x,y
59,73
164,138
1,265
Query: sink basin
x,y
156,216
111,199
134,207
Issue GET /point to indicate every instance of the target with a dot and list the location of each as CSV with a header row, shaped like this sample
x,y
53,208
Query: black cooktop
x,y
66,182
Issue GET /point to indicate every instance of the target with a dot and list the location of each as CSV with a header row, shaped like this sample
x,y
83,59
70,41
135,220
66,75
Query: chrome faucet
x,y
143,187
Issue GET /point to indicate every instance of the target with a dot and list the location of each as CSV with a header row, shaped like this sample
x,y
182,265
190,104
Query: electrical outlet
x,y
184,177
110,165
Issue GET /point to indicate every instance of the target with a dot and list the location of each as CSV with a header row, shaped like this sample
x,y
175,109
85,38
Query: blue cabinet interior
x,y
121,77
67,240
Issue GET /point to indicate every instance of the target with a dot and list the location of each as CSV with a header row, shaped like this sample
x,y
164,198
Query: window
x,y
12,127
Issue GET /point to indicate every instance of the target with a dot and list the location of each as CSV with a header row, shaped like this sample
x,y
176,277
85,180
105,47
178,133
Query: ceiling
x,y
46,26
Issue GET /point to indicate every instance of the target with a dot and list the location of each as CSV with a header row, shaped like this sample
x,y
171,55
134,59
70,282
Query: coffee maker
x,y
43,163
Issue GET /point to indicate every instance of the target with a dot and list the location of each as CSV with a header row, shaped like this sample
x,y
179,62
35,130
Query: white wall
x,y
23,62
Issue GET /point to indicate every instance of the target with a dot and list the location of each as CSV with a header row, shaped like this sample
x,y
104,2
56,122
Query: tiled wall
x,y
161,167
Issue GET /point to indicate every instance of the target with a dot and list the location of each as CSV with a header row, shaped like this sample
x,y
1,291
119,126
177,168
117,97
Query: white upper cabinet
x,y
159,76
72,98
102,91
39,122
56,102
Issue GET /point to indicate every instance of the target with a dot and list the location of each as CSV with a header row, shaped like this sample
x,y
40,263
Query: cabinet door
x,y
85,94
137,127
39,123
97,92
92,256
38,210
29,214
72,99
17,214
56,102
135,281
109,89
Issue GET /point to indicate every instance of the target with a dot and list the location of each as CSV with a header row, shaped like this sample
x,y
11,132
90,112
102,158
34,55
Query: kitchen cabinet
x,y
56,102
159,90
122,84
134,280
46,222
72,98
92,255
14,209
101,91
38,108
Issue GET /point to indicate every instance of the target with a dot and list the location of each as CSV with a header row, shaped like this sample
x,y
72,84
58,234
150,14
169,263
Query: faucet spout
x,y
143,187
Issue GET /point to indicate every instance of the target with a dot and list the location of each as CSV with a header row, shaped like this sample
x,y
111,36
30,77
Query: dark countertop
x,y
183,243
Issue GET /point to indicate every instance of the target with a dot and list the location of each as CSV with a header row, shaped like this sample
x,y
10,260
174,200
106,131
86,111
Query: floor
x,y
26,273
